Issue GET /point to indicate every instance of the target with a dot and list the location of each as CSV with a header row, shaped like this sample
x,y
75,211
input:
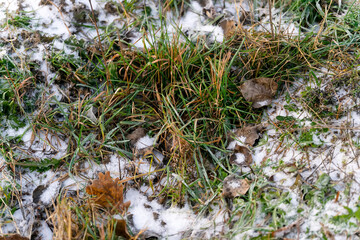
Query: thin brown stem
x,y
271,23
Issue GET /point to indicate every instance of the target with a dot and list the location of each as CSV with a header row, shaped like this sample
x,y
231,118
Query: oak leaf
x,y
108,192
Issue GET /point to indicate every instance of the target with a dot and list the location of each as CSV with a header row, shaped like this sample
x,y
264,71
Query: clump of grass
x,y
186,94
319,102
310,12
20,21
183,91
15,97
73,219
352,18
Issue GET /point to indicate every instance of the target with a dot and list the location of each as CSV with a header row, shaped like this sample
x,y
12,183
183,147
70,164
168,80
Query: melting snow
x,y
145,142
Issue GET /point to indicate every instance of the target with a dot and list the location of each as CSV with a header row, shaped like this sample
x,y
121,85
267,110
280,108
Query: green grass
x,y
19,21
310,12
14,83
183,91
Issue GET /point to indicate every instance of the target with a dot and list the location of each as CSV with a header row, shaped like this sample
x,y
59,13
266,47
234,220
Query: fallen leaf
x,y
234,187
205,3
249,134
90,113
136,135
148,234
229,27
121,229
113,8
38,191
242,156
109,192
259,91
13,237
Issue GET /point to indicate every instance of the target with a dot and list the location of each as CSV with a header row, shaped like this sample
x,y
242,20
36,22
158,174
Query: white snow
x,y
145,142
240,158
263,103
45,231
234,184
168,223
238,141
48,196
44,145
7,7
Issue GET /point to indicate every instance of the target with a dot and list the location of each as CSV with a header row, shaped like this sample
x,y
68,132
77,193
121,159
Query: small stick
x,y
271,23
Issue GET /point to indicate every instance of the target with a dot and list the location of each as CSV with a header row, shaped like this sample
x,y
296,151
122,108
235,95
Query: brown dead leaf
x,y
229,27
109,192
113,8
234,187
136,135
250,133
121,229
205,3
259,91
246,155
13,237
38,191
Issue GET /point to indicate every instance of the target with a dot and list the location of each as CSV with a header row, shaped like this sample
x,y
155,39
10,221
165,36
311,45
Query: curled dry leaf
x,y
136,135
108,192
234,187
90,113
38,191
259,91
249,133
241,157
121,229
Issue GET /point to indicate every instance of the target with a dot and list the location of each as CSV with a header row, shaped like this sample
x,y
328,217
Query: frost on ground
x,y
302,146
317,151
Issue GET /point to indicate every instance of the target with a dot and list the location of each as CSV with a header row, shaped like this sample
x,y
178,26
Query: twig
x,y
61,15
271,23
